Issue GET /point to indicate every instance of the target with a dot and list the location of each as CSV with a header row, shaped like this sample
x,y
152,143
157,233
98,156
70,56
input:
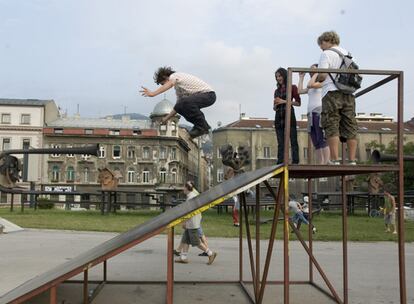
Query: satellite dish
x,y
219,124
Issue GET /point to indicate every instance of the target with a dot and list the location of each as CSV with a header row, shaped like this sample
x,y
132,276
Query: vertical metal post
x,y
12,202
240,240
170,266
401,236
53,295
257,240
105,270
85,287
286,237
344,232
287,116
310,231
249,242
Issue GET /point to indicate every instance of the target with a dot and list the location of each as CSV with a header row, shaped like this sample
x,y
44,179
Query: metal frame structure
x,y
237,186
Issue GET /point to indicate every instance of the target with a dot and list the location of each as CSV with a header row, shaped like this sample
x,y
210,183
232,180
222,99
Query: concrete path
x,y
373,268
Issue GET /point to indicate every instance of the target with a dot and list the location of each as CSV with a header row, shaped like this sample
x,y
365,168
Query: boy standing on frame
x,y
193,94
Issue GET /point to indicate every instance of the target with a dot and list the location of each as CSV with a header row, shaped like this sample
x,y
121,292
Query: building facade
x,y
21,127
151,157
259,137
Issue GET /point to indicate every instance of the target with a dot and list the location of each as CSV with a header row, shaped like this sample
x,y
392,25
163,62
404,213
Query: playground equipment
x,y
51,279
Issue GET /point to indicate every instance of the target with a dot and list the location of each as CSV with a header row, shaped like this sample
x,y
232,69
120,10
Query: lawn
x,y
329,225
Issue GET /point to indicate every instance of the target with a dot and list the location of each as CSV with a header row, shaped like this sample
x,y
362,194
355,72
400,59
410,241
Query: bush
x,y
44,203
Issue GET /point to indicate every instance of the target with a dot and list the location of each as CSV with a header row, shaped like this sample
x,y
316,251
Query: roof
x,y
162,108
77,122
363,126
24,102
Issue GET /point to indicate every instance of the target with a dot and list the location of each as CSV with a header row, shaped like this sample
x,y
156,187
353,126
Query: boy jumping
x,y
193,94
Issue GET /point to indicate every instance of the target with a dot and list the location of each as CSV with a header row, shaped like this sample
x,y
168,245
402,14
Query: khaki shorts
x,y
338,115
389,218
191,237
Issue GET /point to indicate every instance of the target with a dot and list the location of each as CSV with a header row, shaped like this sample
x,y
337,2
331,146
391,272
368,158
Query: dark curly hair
x,y
162,74
283,72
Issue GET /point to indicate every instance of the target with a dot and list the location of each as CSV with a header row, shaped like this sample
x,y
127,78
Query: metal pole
x,y
249,243
272,237
85,287
287,117
240,240
170,266
401,236
257,240
310,231
286,237
344,232
53,295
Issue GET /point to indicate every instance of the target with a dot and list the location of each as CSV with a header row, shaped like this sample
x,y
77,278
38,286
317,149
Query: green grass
x,y
329,225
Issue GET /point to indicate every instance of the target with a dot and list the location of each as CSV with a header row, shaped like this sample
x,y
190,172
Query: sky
x,y
96,54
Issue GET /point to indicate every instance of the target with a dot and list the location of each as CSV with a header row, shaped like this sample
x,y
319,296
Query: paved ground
x,y
373,269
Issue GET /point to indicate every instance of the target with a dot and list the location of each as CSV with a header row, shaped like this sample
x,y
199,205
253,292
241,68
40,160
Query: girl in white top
x,y
314,91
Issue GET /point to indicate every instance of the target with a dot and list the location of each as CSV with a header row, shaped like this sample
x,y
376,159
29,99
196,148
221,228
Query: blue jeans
x,y
299,217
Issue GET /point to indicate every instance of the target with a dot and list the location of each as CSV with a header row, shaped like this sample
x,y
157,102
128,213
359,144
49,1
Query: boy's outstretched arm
x,y
165,87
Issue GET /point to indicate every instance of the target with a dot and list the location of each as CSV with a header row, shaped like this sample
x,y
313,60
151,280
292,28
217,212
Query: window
x,y
305,153
163,175
88,131
6,144
163,152
70,154
131,175
70,174
218,152
173,153
116,152
220,175
368,153
85,156
54,146
173,126
131,152
136,132
86,175
163,128
146,153
145,176
266,152
101,153
55,173
174,176
25,119
26,143
113,132
5,118
58,131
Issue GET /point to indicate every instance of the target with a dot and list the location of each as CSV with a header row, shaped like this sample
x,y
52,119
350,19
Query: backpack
x,y
346,83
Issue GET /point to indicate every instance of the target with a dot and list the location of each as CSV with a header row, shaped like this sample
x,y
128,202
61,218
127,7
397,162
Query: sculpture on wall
x,y
10,167
235,159
109,179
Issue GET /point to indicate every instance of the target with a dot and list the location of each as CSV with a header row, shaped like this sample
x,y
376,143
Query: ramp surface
x,y
169,218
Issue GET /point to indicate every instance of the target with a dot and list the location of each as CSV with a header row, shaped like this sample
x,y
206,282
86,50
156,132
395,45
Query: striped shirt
x,y
186,85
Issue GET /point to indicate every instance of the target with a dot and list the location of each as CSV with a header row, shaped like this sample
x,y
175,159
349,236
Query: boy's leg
x,y
280,134
189,107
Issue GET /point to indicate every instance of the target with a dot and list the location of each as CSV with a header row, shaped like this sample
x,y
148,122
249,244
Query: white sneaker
x,y
314,230
352,163
334,162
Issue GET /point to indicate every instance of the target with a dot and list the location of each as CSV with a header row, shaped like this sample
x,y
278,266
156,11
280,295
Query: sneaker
x,y
196,132
352,163
203,254
395,232
314,230
211,258
334,162
236,225
177,253
181,261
